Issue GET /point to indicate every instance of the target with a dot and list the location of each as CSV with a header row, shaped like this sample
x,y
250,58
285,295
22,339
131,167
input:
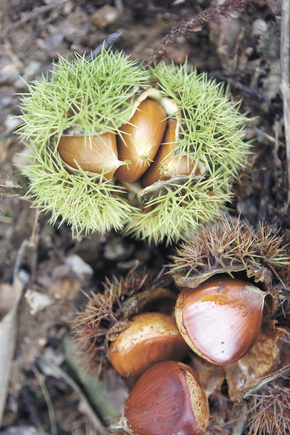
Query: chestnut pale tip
x,y
168,399
221,318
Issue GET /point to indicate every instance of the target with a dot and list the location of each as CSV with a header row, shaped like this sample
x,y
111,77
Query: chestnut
x,y
96,154
168,399
221,318
166,163
149,339
140,139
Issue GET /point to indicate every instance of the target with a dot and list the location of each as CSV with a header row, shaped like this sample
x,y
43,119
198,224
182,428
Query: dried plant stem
x,y
89,410
19,256
285,89
186,26
106,44
31,15
45,392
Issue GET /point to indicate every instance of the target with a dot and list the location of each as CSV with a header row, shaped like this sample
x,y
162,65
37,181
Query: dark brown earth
x,y
244,51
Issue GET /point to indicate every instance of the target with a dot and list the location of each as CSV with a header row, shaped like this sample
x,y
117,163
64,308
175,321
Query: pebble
x,y
105,16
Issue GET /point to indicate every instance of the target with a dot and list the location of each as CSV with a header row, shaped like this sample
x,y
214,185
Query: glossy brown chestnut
x,y
140,139
166,163
168,399
149,339
221,318
96,154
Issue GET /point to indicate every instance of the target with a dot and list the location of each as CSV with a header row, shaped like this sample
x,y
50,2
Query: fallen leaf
x,y
9,298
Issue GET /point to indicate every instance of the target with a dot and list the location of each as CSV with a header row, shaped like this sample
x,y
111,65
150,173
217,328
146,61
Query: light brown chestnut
x,y
149,339
96,154
221,318
166,163
168,399
140,139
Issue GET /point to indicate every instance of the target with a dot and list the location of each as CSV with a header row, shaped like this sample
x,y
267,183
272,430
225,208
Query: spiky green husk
x,y
211,131
84,97
211,127
85,201
178,210
90,98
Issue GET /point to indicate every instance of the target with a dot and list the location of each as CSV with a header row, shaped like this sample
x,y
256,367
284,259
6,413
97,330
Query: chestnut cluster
x,y
178,349
143,149
152,151
153,337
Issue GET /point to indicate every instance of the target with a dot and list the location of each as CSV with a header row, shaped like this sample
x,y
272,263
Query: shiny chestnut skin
x,y
221,318
96,154
140,139
168,399
166,163
149,339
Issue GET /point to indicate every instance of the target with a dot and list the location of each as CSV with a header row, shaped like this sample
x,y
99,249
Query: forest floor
x,y
47,392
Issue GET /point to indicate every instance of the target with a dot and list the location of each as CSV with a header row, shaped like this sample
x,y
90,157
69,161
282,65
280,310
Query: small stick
x,y
34,244
90,412
33,411
19,256
50,408
252,93
30,15
110,40
55,249
285,32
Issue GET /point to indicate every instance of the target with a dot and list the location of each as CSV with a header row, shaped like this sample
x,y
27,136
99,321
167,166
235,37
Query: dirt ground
x,y
48,392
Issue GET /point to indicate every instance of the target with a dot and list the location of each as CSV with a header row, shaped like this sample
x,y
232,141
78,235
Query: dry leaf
x,y
9,298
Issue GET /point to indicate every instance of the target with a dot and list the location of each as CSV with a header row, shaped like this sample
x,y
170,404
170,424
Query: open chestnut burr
x,y
115,145
236,282
237,278
130,325
126,155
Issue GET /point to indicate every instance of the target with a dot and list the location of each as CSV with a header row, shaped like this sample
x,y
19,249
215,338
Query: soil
x,y
244,51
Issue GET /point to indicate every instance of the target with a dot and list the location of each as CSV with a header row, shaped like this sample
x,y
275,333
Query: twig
x,y
285,34
110,40
236,49
90,412
33,412
266,136
30,15
35,230
186,26
50,408
55,249
1,212
252,93
19,256
34,243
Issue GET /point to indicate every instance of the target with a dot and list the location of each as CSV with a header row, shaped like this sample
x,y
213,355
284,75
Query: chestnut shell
x,y
168,399
220,319
149,339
